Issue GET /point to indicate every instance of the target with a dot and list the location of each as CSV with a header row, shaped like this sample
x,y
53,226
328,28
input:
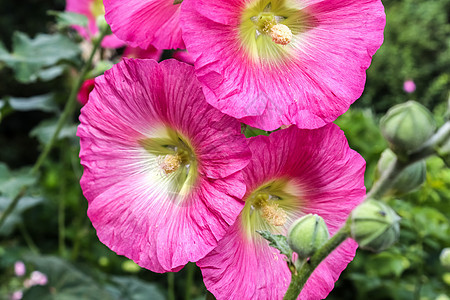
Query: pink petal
x,y
135,212
331,178
144,23
83,7
325,74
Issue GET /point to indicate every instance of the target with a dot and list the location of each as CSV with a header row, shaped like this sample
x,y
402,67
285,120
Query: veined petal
x,y
162,189
145,23
293,172
309,82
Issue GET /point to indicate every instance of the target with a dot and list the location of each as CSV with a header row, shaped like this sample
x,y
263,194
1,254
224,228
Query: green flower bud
x,y
307,234
409,179
445,258
102,24
375,226
407,126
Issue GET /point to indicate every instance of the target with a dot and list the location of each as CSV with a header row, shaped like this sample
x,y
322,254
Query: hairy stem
x,y
379,189
386,181
298,280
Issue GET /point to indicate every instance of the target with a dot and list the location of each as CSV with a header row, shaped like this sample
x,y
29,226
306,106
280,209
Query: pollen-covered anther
x,y
273,214
281,34
170,163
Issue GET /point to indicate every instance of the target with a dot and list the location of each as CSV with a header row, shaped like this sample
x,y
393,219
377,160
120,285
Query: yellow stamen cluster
x,y
281,34
170,163
273,214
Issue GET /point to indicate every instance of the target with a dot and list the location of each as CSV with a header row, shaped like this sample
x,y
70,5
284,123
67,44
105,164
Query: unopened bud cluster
x,y
307,235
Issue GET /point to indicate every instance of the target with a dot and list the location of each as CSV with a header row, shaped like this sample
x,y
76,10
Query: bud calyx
x,y
307,234
374,225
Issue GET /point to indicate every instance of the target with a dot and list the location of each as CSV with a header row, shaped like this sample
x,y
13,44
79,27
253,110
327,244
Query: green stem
x,y
71,103
61,209
67,112
386,181
28,240
190,269
299,279
379,189
171,286
12,205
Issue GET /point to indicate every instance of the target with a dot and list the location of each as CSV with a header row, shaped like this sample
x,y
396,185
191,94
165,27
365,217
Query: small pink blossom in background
x,y
309,82
409,86
146,202
17,295
92,9
19,269
36,278
85,90
142,23
298,172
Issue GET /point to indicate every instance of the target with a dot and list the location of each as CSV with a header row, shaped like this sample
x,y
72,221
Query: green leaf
x,y
251,132
4,172
131,288
431,223
50,73
12,182
65,282
100,68
66,19
30,56
277,241
44,131
15,217
387,264
43,103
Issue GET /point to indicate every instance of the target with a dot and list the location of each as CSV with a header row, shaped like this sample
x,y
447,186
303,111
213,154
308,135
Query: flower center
x,y
271,207
266,23
271,30
174,160
170,163
97,8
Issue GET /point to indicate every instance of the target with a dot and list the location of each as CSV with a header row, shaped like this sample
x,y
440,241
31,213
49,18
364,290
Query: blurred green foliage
x,y
411,269
417,47
52,220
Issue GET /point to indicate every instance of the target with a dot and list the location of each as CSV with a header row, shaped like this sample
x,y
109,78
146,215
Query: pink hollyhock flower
x,y
162,167
409,86
273,63
92,9
19,268
146,22
85,90
293,172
